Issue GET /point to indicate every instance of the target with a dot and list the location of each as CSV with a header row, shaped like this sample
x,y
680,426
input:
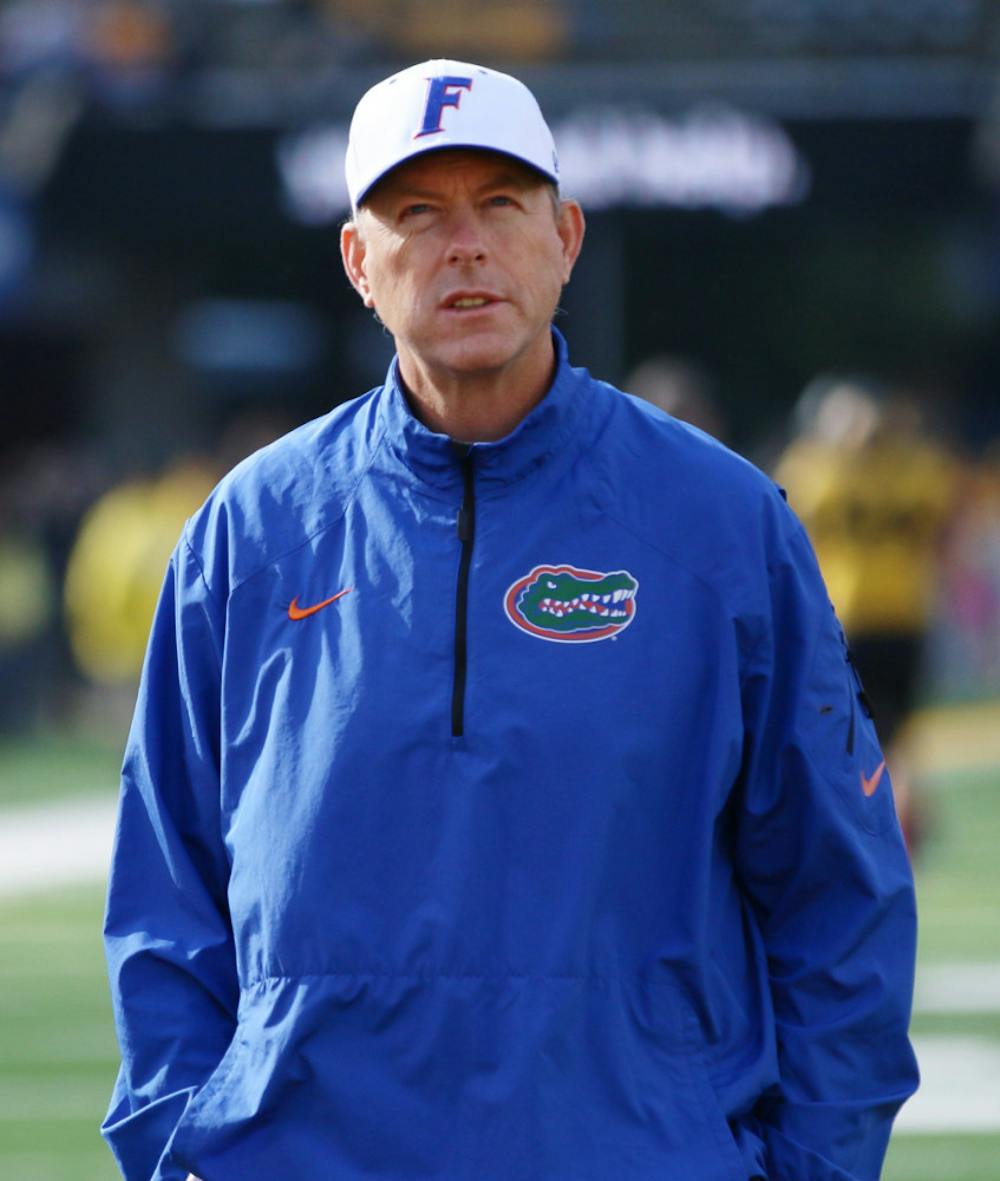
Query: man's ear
x,y
352,253
571,227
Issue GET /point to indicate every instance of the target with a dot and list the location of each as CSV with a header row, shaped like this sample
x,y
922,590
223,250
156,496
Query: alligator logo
x,y
568,605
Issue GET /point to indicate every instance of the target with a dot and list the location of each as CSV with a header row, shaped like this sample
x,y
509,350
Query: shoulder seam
x,y
700,578
747,657
212,627
345,503
197,561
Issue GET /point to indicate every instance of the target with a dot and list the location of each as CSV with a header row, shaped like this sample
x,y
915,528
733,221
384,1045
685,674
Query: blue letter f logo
x,y
441,93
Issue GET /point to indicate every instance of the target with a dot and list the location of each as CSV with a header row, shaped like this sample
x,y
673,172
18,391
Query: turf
x,y
57,765
943,1158
958,872
958,883
59,1057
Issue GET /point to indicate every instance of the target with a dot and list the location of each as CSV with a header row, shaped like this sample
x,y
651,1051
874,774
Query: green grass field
x,y
59,1054
57,1048
958,886
57,766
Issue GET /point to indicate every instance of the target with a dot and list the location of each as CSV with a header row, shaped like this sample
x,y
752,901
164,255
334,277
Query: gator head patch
x,y
568,605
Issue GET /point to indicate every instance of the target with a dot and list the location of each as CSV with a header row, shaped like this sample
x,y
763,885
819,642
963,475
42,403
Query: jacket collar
x,y
434,459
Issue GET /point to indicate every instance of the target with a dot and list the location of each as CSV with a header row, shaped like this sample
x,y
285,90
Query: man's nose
x,y
467,241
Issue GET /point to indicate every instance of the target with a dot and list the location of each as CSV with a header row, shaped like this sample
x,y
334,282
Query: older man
x,y
501,803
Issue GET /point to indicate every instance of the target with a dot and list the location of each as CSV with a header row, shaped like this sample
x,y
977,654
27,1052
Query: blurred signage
x,y
311,165
262,338
710,157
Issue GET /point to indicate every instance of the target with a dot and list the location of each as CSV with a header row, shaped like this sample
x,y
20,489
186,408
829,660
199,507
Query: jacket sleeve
x,y
821,858
168,937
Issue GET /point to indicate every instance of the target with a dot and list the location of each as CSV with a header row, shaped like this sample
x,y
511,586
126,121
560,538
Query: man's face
x,y
463,255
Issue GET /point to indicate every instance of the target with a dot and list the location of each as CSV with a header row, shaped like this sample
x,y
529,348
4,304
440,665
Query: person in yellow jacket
x,y
875,494
124,543
116,567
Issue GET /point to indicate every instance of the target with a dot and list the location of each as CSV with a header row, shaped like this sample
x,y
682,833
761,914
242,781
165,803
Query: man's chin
x,y
491,352
478,356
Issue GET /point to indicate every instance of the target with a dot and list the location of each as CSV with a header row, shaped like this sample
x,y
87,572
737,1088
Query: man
x,y
500,805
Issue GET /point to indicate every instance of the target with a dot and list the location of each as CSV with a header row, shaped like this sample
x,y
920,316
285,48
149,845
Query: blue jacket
x,y
509,814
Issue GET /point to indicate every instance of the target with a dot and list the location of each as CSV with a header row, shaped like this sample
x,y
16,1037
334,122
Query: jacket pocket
x,y
684,1043
715,1118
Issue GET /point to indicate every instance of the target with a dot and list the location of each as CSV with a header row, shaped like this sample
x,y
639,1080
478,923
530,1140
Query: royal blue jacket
x,y
504,814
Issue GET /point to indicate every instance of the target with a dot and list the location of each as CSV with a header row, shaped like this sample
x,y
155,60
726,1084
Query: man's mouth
x,y
469,302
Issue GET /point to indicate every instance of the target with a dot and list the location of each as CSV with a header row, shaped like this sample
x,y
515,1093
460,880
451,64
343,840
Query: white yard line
x,y
958,988
959,1089
61,843
960,1074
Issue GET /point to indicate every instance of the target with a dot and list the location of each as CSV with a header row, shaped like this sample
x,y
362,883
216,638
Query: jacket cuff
x,y
138,1139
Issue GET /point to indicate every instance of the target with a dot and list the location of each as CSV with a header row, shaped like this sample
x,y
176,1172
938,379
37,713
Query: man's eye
x,y
501,199
416,209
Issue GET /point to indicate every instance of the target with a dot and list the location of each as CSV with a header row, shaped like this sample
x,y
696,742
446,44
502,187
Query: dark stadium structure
x,y
166,256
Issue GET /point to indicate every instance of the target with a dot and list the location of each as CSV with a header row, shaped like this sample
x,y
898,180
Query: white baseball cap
x,y
444,104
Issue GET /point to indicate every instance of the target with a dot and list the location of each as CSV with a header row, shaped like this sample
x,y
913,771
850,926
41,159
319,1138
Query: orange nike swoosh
x,y
297,612
869,786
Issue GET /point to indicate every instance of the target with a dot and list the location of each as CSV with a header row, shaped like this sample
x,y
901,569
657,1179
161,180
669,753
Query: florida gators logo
x,y
571,606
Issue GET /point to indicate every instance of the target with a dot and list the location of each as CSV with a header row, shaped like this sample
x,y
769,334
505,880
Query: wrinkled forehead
x,y
445,167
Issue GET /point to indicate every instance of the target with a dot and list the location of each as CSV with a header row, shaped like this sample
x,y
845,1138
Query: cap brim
x,y
545,175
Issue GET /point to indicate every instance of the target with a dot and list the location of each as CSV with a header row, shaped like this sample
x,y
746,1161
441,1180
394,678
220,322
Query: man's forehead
x,y
439,169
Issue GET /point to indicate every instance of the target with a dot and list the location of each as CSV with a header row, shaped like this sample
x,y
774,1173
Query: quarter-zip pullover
x,y
621,906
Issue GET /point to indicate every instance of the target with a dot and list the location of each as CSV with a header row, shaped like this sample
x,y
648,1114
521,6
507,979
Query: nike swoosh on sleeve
x,y
870,785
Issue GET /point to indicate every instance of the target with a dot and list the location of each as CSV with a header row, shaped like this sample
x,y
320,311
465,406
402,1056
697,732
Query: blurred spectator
x,y
523,29
875,495
124,34
37,35
119,557
116,568
27,607
122,53
680,387
129,46
966,636
43,496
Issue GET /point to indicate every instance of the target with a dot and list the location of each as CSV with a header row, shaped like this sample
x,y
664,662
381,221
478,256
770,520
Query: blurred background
x,y
794,242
